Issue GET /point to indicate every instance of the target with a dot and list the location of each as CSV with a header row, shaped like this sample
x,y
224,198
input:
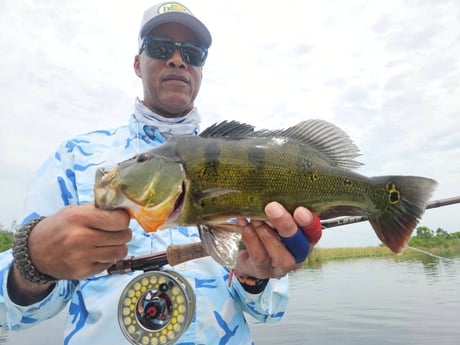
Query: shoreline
x,y
447,248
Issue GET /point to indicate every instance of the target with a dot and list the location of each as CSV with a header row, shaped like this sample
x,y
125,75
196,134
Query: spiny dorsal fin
x,y
332,143
327,139
232,129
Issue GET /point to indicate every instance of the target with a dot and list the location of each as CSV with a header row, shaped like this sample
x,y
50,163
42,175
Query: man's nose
x,y
176,59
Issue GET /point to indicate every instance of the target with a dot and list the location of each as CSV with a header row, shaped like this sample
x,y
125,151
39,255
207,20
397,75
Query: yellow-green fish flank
x,y
232,170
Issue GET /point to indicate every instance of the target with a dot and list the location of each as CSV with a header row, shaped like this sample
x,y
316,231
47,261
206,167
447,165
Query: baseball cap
x,y
173,12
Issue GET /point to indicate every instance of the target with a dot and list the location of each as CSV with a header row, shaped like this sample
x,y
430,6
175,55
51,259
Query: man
x,y
69,243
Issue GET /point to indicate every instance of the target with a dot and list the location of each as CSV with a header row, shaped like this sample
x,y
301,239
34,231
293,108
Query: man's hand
x,y
265,255
79,241
74,243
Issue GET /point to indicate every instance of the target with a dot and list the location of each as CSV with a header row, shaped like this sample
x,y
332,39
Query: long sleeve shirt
x,y
67,178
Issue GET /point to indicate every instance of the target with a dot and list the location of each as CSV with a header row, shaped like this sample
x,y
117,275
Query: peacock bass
x,y
232,170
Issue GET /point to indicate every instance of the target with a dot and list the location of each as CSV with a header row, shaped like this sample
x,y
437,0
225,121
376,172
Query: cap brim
x,y
200,30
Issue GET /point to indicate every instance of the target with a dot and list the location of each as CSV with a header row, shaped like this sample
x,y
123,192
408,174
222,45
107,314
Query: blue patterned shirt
x,y
67,178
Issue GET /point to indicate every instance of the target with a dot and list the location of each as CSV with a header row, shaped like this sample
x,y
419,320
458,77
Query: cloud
x,y
386,72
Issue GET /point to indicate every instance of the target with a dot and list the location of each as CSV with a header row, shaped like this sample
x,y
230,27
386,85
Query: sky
x,y
386,72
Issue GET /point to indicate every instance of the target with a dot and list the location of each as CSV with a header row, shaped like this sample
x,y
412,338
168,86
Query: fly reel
x,y
156,307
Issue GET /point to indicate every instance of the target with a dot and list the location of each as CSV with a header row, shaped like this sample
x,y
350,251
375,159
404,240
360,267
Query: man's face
x,y
170,86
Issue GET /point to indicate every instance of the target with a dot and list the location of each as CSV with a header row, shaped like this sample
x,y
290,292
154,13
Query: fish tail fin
x,y
407,197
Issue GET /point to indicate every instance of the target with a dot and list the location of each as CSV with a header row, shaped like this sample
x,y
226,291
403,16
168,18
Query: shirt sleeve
x,y
17,317
53,185
54,182
267,306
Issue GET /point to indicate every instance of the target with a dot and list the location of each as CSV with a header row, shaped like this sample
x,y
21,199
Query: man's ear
x,y
137,66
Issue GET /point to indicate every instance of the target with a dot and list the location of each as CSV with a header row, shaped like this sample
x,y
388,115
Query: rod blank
x,y
330,223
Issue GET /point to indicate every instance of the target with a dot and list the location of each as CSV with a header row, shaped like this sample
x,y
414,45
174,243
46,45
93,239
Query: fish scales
x,y
231,170
278,171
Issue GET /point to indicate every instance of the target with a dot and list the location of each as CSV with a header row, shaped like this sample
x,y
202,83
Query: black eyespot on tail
x,y
394,196
407,199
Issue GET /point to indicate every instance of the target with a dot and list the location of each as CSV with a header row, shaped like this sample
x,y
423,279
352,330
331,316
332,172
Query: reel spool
x,y
156,308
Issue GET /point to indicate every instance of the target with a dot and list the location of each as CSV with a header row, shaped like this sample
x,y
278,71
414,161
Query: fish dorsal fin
x,y
228,129
328,140
334,145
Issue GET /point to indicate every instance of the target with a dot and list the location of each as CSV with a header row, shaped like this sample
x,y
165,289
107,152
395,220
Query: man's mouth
x,y
177,78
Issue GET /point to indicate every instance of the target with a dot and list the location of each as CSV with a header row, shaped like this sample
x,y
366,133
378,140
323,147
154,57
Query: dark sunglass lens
x,y
163,49
193,55
160,49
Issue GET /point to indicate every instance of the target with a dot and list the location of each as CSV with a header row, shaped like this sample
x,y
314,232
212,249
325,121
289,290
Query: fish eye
x,y
142,157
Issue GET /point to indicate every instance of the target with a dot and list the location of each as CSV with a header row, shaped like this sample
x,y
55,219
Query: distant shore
x,y
436,246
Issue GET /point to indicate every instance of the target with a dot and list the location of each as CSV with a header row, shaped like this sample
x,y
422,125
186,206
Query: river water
x,y
359,302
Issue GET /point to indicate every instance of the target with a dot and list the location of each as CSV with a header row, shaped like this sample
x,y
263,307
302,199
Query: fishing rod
x,y
173,255
330,223
176,254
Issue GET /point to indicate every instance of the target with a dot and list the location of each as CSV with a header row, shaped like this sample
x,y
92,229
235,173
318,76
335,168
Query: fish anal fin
x,y
394,235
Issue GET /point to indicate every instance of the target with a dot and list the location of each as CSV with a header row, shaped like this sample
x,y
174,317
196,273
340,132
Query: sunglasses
x,y
162,48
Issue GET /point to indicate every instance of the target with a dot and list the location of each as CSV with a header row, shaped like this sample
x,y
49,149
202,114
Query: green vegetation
x,y
439,242
6,240
320,255
6,236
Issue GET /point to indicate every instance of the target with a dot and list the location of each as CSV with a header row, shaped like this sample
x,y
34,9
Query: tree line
x,y
427,236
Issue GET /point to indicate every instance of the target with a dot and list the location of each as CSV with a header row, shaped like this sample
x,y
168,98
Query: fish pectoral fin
x,y
213,193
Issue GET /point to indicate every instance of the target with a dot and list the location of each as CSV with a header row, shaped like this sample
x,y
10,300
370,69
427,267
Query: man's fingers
x,y
281,220
113,238
108,220
310,223
110,254
254,246
297,231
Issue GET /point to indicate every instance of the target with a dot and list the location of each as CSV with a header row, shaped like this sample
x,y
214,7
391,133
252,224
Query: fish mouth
x,y
178,205
105,196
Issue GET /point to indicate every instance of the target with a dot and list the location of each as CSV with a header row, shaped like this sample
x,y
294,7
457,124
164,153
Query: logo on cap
x,y
173,7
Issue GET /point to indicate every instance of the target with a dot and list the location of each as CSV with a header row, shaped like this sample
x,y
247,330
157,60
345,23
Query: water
x,y
368,301
371,301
